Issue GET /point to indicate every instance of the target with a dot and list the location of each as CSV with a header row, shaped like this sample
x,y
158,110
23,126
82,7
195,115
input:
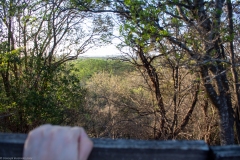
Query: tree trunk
x,y
236,85
222,101
152,74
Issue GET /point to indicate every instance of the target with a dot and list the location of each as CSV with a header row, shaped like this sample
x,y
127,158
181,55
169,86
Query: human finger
x,y
85,145
34,141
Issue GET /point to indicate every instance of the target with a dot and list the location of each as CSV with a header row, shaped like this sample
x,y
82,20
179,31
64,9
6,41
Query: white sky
x,y
106,51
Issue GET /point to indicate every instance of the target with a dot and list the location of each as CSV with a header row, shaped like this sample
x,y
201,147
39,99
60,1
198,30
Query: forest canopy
x,y
178,72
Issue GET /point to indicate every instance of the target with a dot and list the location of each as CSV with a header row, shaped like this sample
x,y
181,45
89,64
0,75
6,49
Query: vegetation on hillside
x,y
178,77
86,68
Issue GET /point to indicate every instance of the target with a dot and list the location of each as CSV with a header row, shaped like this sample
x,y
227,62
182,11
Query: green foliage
x,y
85,68
37,87
56,101
38,39
141,28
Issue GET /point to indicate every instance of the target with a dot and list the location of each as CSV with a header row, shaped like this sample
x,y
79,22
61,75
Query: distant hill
x,y
85,67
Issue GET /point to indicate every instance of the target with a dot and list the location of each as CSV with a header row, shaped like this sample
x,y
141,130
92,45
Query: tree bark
x,y
236,85
152,74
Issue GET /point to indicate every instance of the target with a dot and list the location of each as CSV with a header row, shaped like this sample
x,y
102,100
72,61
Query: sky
x,y
106,51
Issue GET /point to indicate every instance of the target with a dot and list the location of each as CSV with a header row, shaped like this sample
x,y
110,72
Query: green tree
x,y
37,38
201,34
195,27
